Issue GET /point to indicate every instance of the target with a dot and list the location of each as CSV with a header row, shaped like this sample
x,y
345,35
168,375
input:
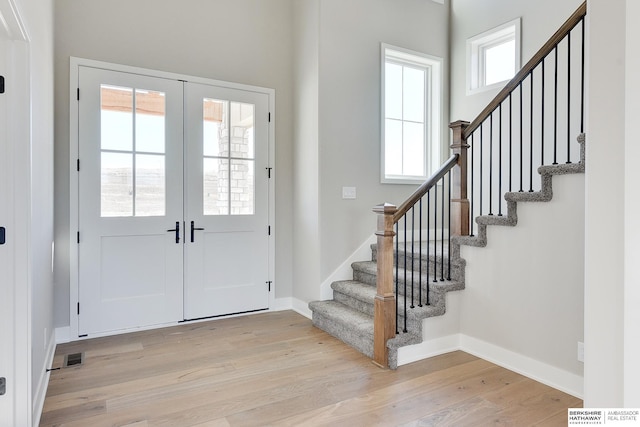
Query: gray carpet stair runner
x,y
349,315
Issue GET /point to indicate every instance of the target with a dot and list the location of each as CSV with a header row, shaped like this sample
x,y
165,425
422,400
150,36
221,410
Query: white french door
x,y
173,201
226,258
130,192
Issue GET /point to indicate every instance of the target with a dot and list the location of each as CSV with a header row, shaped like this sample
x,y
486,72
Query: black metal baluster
x,y
569,97
481,161
510,141
521,139
442,236
397,276
449,238
531,135
413,253
500,160
428,243
420,250
555,108
435,229
471,217
582,83
542,118
491,164
405,274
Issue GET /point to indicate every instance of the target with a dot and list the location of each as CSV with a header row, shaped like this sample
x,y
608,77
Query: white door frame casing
x,y
75,63
16,405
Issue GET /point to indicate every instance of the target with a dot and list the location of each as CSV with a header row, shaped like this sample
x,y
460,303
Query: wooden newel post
x,y
384,318
459,201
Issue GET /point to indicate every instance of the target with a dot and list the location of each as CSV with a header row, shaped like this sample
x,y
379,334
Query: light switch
x,y
348,192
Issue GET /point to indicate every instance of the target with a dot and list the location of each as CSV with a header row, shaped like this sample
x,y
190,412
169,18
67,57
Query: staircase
x,y
529,122
349,315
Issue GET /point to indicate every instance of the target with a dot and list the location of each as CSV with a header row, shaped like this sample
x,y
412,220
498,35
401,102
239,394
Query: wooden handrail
x,y
426,186
545,50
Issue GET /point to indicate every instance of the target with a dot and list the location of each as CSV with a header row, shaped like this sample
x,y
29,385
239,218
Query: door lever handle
x,y
177,230
194,228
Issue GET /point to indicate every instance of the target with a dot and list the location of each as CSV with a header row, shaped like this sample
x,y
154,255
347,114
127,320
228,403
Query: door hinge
x,y
78,94
1,84
3,386
269,282
78,308
78,165
269,117
3,235
269,172
78,236
269,230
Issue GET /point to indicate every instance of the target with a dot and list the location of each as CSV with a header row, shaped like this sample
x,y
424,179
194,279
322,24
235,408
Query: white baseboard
x,y
43,382
546,374
301,307
344,271
63,335
539,371
429,348
281,304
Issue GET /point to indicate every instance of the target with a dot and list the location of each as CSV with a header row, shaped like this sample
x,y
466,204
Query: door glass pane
x,y
215,129
242,187
242,130
150,185
116,196
150,117
215,186
116,118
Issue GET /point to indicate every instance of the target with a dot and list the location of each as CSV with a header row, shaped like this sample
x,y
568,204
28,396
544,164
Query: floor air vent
x,y
73,359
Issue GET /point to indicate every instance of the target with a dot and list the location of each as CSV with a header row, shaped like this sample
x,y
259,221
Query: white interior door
x,y
130,201
7,282
227,196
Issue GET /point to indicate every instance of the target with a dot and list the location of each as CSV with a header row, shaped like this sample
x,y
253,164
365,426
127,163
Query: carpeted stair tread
x,y
365,296
504,220
371,268
348,325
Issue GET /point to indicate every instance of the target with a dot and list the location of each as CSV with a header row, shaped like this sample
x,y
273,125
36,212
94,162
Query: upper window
x,y
411,111
493,57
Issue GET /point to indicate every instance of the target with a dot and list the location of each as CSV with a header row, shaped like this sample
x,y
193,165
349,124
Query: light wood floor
x,y
277,369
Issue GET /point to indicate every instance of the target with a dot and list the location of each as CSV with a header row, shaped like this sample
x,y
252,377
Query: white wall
x,y
38,18
306,261
243,41
471,17
349,110
31,151
343,46
632,207
605,202
524,290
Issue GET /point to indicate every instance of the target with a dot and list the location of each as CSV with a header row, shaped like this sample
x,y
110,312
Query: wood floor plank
x,y
277,369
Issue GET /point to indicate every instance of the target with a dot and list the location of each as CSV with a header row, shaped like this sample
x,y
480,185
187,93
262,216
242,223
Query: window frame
x,y
477,47
433,110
